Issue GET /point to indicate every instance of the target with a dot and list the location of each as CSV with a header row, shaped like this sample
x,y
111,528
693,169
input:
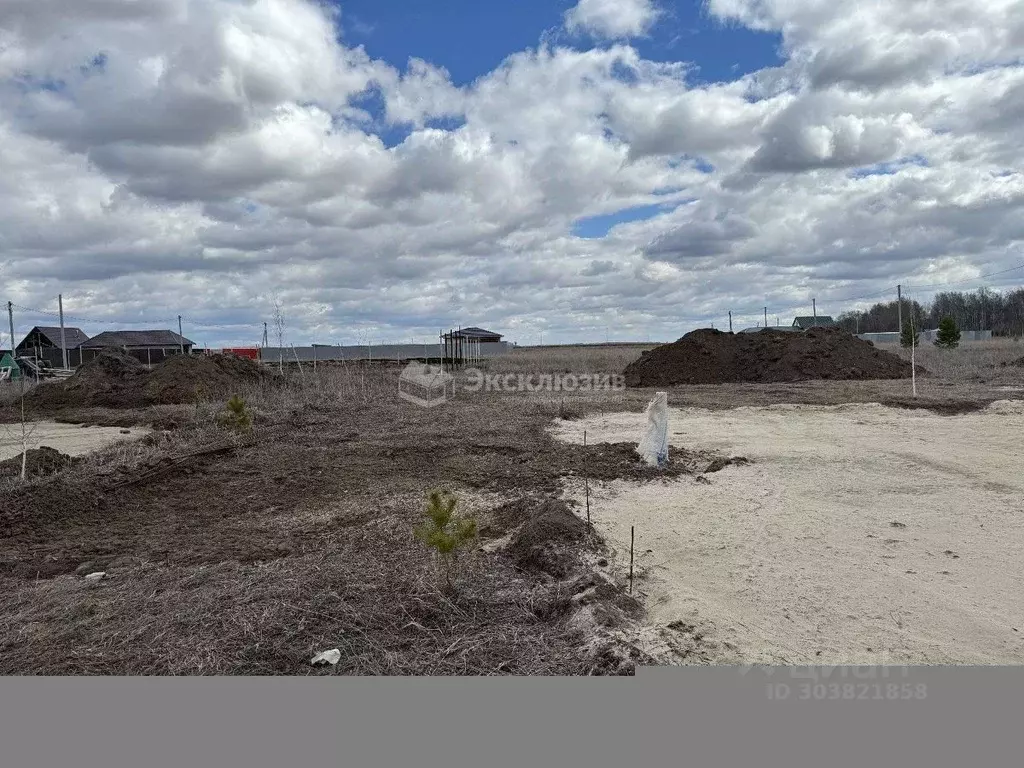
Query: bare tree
x,y
279,326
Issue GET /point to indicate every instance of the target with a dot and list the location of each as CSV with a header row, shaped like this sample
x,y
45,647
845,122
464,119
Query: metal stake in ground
x,y
913,348
631,559
586,475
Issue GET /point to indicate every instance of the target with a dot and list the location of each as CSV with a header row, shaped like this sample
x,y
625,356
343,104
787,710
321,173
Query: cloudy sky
x,y
624,169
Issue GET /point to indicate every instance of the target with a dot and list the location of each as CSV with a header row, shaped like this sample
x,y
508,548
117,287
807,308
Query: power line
x,y
92,320
970,279
846,300
141,321
223,326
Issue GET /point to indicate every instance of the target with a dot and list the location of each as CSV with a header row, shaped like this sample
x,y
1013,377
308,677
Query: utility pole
x,y
899,307
265,335
730,321
181,339
10,319
814,310
63,341
766,317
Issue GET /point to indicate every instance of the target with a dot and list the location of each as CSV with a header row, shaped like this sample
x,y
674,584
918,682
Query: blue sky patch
x,y
470,38
594,227
889,168
446,122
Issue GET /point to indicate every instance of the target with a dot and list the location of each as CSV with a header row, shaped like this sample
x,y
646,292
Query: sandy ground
x,y
860,534
72,439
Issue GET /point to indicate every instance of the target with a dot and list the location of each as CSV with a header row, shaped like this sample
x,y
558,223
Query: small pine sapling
x,y
236,416
446,533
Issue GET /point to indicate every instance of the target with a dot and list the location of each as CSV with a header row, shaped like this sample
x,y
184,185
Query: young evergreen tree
x,y
948,336
446,533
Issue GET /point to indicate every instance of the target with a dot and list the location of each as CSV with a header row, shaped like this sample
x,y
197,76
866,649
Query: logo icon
x,y
425,385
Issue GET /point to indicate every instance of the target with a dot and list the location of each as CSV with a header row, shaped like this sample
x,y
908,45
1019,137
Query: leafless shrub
x,y
11,391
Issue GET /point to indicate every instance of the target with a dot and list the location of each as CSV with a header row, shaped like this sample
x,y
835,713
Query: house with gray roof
x,y
44,342
148,347
804,322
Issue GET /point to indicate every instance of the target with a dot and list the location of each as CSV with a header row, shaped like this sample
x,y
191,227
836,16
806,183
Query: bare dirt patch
x,y
858,534
72,439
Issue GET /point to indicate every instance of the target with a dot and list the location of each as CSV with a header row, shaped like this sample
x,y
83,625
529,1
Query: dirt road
x,y
859,534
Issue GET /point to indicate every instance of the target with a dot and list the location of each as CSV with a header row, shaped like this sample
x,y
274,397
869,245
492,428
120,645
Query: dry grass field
x,y
979,360
596,358
230,553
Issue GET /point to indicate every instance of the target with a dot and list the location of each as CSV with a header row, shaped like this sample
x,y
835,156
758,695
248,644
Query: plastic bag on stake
x,y
653,447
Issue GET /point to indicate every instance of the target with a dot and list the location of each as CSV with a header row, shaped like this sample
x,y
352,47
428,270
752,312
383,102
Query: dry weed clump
x,y
326,385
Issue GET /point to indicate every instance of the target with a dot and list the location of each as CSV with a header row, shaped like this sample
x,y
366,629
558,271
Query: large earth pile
x,y
713,357
116,380
188,379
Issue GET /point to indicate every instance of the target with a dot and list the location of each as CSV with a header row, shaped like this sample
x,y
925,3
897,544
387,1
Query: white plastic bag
x,y
653,448
331,657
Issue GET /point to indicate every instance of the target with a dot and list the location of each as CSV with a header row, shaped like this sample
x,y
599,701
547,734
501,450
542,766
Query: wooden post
x,y
10,319
913,364
63,339
730,321
181,339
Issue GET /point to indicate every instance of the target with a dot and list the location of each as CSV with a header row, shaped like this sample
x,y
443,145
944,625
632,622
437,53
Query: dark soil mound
x,y
190,379
547,539
713,357
38,461
116,380
110,380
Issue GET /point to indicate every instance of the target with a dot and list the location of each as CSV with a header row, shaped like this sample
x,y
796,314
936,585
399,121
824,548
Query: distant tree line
x,y
982,310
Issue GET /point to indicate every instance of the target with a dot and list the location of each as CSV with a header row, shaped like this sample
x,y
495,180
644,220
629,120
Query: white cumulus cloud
x,y
612,18
167,157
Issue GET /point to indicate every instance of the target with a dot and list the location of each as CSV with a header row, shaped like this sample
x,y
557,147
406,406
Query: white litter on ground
x,y
653,446
331,657
95,576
